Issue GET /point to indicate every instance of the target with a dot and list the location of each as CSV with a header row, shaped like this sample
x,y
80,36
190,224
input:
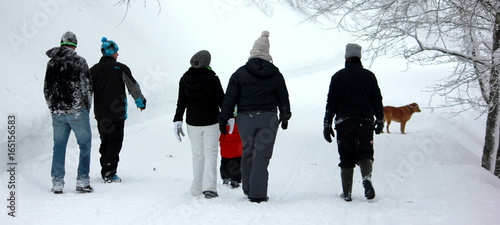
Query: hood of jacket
x,y
60,52
261,68
196,78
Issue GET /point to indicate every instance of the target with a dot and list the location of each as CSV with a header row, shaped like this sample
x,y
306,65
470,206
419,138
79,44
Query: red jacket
x,y
230,144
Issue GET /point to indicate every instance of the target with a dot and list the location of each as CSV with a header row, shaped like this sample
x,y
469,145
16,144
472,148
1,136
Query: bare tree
x,y
463,32
127,4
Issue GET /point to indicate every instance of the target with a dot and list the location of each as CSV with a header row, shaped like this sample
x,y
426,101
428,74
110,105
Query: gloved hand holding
x,y
378,126
231,125
178,130
222,127
328,132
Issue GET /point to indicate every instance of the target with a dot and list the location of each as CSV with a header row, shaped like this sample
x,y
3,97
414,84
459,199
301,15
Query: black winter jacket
x,y
201,93
256,86
109,78
353,93
67,87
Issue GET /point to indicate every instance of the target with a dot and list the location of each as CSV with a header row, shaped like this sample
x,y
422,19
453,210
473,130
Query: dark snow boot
x,y
346,175
234,184
366,172
210,194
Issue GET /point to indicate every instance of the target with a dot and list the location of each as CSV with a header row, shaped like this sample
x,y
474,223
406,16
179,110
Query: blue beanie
x,y
108,47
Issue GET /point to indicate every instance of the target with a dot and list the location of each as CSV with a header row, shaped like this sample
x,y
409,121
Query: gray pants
x,y
258,134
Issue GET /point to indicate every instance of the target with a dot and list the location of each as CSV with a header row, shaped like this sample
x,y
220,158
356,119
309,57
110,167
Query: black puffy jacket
x,y
256,86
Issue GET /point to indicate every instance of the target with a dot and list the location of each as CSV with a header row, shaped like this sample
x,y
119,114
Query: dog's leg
x,y
388,123
403,124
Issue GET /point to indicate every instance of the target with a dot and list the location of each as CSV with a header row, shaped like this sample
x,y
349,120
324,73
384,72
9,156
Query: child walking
x,y
231,150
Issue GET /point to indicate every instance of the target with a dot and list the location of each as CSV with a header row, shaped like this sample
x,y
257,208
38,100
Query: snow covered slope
x,y
432,175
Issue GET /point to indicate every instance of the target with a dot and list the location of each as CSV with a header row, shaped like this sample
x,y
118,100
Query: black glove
x,y
328,133
222,127
284,124
378,126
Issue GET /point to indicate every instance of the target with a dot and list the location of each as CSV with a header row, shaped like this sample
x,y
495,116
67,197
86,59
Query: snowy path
x,y
424,177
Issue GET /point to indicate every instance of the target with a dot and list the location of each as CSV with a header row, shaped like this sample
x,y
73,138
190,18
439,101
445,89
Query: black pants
x,y
230,169
111,135
355,141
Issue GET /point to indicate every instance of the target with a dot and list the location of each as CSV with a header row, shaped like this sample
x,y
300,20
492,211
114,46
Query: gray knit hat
x,y
352,50
261,47
69,39
201,59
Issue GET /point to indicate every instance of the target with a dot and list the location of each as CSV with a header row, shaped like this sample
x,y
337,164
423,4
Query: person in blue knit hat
x,y
108,47
109,79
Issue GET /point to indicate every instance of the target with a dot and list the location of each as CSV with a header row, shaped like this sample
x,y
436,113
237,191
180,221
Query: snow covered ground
x,y
431,175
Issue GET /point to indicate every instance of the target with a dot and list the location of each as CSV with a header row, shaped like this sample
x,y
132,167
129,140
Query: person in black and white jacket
x,y
68,94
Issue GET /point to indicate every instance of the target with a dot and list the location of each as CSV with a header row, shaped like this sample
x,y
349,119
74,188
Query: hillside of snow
x,y
431,175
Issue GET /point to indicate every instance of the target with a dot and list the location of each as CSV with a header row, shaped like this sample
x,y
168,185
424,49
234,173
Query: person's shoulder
x,y
76,55
367,71
242,68
81,59
121,65
340,72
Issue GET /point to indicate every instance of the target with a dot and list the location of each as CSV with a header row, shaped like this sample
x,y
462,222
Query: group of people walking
x,y
243,120
258,90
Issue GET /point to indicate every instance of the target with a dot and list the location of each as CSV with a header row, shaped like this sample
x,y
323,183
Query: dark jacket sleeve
x,y
132,86
331,106
86,84
376,100
219,92
181,103
231,97
283,99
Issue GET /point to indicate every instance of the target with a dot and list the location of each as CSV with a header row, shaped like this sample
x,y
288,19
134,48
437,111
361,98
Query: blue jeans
x,y
62,125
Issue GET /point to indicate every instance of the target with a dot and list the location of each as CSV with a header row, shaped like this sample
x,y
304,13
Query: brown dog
x,y
400,114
